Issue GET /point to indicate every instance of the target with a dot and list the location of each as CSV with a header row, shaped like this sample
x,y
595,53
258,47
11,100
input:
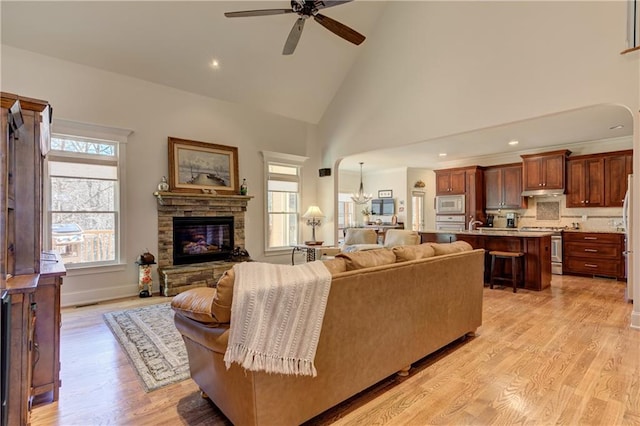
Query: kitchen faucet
x,y
472,223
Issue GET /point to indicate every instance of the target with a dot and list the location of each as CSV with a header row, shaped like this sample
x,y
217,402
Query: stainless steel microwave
x,y
450,204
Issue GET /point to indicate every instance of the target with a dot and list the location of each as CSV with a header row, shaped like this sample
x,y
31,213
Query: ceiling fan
x,y
306,9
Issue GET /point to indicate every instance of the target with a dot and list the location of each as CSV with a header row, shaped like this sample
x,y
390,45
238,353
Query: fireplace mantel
x,y
186,204
168,198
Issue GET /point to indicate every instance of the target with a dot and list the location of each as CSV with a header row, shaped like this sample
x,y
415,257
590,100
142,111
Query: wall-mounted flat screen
x,y
383,206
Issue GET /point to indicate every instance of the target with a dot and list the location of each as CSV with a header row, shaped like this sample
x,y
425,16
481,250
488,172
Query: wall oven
x,y
450,204
450,223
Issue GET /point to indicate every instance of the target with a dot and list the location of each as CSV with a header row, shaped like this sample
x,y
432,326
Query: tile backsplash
x,y
552,212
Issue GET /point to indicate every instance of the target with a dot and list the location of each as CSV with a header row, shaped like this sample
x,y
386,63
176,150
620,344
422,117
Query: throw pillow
x,y
405,253
196,304
368,258
335,266
448,248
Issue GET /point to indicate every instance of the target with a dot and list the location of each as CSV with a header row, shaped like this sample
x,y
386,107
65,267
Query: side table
x,y
313,252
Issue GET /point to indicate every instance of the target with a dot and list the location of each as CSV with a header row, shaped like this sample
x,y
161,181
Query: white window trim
x,y
94,131
288,160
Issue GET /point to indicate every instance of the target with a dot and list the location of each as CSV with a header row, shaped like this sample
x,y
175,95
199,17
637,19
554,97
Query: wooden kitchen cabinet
x,y
474,206
586,181
544,171
593,253
503,187
450,181
617,166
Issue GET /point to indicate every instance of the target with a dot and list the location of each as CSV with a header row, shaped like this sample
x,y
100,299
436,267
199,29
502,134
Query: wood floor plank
x,y
565,355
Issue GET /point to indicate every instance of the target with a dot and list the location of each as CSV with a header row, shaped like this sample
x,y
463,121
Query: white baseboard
x,y
92,296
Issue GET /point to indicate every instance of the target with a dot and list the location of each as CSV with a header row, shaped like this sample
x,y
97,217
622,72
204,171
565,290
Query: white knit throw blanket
x,y
276,316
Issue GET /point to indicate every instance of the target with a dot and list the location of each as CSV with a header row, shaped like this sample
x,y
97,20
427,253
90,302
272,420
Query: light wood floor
x,y
565,355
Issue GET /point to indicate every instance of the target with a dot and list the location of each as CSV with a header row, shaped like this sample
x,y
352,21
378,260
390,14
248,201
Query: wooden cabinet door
x,y
616,169
450,182
458,182
575,183
553,172
443,183
512,188
532,173
493,189
594,182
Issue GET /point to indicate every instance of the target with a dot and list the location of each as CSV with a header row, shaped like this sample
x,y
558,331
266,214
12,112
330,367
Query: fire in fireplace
x,y
202,239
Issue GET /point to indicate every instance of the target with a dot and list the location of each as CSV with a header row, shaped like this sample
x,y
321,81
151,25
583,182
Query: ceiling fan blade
x,y
339,29
294,37
323,4
261,12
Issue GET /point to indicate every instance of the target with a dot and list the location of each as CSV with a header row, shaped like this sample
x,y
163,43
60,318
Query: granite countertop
x,y
496,232
510,232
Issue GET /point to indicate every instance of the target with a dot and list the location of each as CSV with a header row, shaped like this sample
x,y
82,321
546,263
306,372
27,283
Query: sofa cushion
x,y
196,304
368,258
335,266
401,237
221,306
448,248
405,253
360,236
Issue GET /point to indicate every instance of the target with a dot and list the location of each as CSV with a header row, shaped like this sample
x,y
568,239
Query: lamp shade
x,y
313,211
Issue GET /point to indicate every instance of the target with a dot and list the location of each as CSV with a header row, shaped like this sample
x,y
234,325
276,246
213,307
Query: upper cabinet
x,y
598,180
617,166
503,187
585,182
466,181
449,182
544,171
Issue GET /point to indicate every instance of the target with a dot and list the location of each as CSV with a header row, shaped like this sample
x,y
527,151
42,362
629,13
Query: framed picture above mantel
x,y
202,167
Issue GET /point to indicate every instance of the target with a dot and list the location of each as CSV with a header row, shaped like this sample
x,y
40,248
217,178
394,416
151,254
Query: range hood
x,y
543,192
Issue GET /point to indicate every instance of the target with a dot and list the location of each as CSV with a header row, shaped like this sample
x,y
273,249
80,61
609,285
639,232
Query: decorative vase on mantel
x,y
163,186
365,219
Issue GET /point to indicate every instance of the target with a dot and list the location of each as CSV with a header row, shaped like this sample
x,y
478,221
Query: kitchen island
x,y
536,247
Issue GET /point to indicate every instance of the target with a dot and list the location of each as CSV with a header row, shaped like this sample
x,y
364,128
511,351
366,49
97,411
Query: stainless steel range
x,y
556,245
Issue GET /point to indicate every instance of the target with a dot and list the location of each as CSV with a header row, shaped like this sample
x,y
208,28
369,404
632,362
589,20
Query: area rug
x,y
152,343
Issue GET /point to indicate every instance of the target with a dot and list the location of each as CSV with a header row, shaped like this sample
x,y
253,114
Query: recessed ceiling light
x,y
215,64
442,154
619,126
514,142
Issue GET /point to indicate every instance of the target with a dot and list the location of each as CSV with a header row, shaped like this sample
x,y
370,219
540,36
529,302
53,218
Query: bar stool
x,y
517,267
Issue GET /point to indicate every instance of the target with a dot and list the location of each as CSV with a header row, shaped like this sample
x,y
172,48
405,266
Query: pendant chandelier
x,y
361,197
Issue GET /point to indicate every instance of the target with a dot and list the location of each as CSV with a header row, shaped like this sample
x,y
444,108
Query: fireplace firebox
x,y
202,239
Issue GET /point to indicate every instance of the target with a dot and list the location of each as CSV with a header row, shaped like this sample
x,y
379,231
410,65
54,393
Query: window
x,y
346,214
283,177
83,199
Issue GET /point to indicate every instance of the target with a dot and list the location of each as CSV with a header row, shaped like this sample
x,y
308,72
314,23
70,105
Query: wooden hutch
x,y
31,278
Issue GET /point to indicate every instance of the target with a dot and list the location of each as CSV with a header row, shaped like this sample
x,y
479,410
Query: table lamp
x,y
313,216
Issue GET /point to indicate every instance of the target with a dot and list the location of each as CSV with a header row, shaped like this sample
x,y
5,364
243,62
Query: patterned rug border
x,y
158,359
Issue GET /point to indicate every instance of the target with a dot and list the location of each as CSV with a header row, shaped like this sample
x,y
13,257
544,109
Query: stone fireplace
x,y
211,225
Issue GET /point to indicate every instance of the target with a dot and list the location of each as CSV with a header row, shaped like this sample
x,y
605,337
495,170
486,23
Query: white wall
x,y
154,112
432,69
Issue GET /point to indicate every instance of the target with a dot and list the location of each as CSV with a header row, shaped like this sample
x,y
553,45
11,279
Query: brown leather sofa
x,y
387,308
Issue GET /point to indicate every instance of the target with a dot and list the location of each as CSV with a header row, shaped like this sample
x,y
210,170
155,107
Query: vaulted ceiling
x,y
173,43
